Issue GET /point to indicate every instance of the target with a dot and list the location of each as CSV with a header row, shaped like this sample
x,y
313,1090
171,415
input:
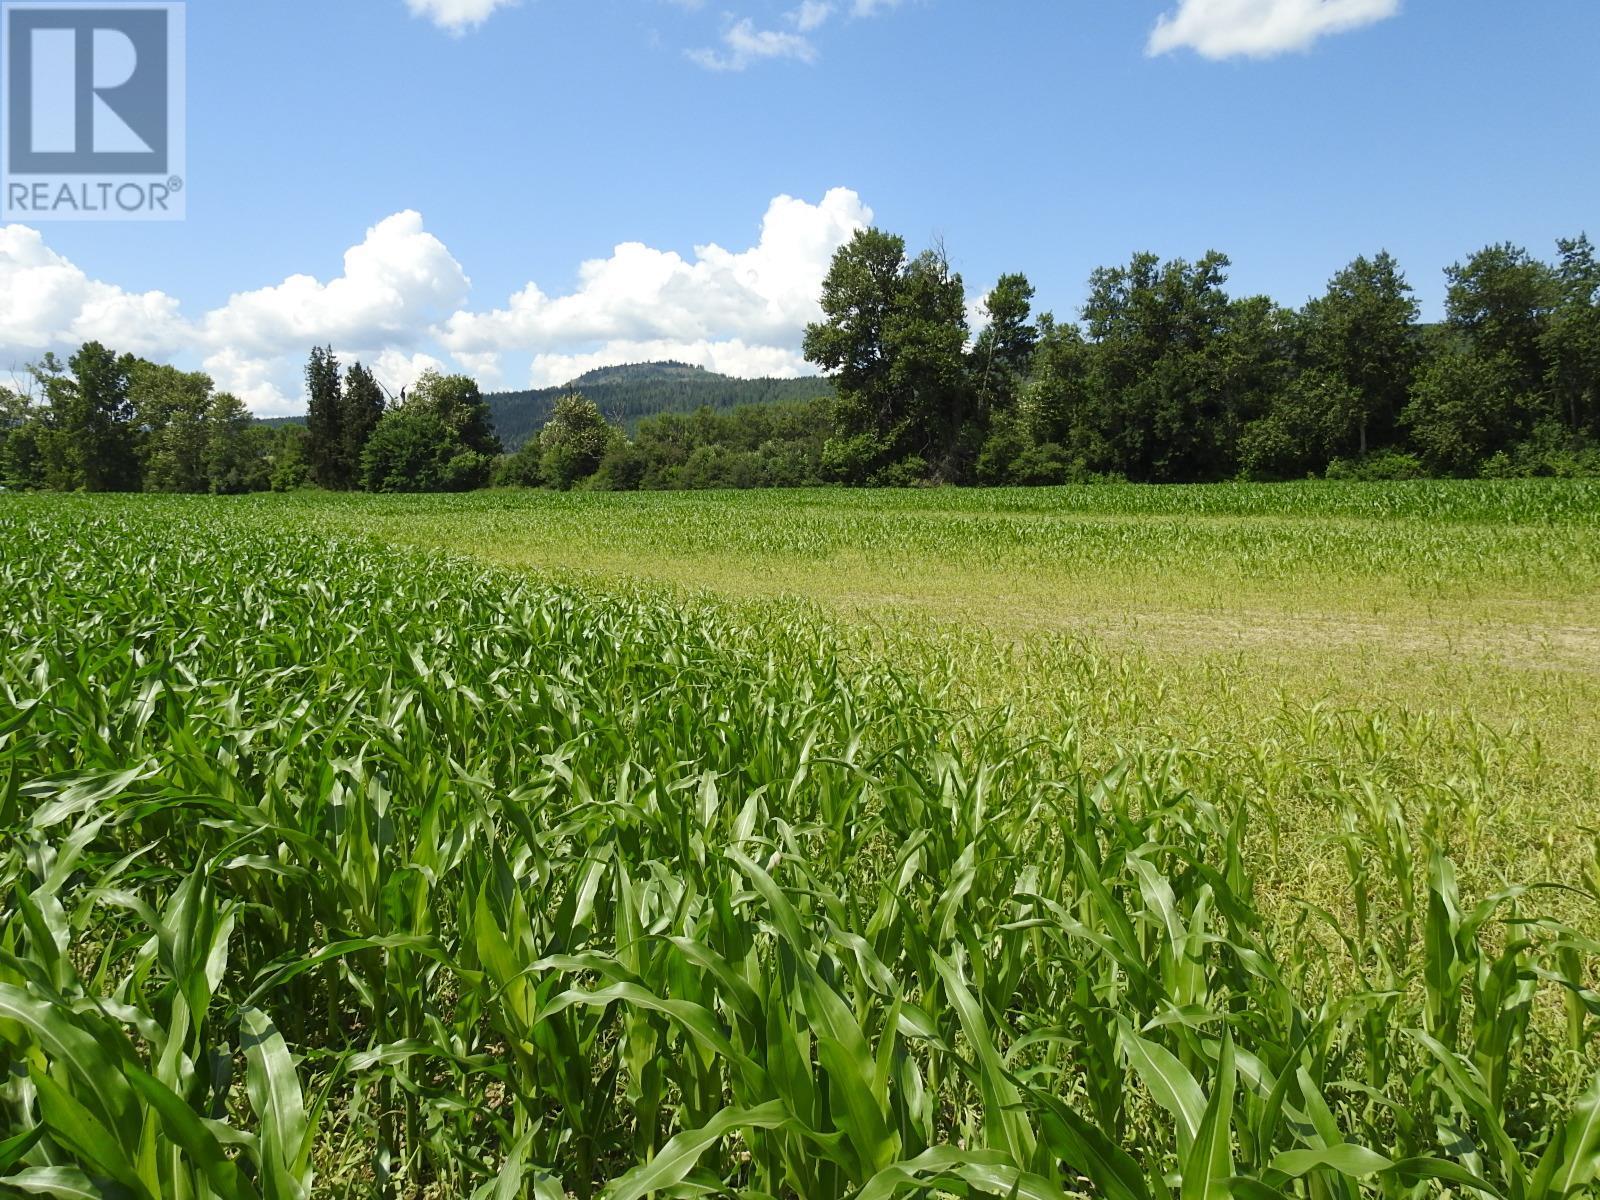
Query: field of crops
x,y
1443,557
336,866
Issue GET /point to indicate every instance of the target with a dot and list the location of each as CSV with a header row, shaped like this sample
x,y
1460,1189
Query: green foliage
x,y
86,439
573,442
1044,464
404,875
1009,440
770,445
23,456
1306,425
414,450
935,420
406,453
20,429
1003,352
1464,408
851,459
911,471
1571,343
1379,466
1501,300
621,470
456,400
13,412
1177,368
105,422
289,465
341,419
238,450
521,469
438,440
1362,333
1171,379
327,448
193,440
361,405
894,338
1168,378
173,408
1552,450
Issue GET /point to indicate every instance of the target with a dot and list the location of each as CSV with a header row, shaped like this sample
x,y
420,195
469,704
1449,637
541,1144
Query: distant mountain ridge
x,y
641,372
630,393
633,392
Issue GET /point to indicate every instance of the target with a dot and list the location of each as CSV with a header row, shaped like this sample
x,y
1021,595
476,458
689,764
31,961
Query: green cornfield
x,y
335,866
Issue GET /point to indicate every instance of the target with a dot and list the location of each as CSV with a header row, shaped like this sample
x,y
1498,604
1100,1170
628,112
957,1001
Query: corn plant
x,y
331,869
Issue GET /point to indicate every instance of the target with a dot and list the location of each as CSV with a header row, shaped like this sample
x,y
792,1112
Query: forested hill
x,y
629,394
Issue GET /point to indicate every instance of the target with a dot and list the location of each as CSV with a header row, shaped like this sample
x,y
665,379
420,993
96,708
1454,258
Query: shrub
x,y
911,471
1378,466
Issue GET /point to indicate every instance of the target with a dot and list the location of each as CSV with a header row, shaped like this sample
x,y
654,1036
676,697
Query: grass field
x,y
1124,842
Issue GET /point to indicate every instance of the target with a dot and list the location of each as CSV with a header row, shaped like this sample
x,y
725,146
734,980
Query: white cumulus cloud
x,y
1220,29
395,283
457,16
398,371
46,302
264,384
400,305
762,296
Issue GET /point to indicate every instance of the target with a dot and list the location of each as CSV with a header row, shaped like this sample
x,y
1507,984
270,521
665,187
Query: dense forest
x,y
628,395
1165,377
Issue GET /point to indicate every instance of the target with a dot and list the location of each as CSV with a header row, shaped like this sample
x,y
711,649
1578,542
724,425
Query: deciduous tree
x,y
1571,342
94,422
1466,406
172,409
1500,300
573,442
1362,332
1003,350
893,339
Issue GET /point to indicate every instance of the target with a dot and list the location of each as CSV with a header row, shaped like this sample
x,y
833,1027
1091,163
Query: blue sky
x,y
466,152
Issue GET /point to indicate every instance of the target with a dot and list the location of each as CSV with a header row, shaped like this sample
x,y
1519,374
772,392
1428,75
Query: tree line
x,y
107,422
1166,377
103,422
1170,379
